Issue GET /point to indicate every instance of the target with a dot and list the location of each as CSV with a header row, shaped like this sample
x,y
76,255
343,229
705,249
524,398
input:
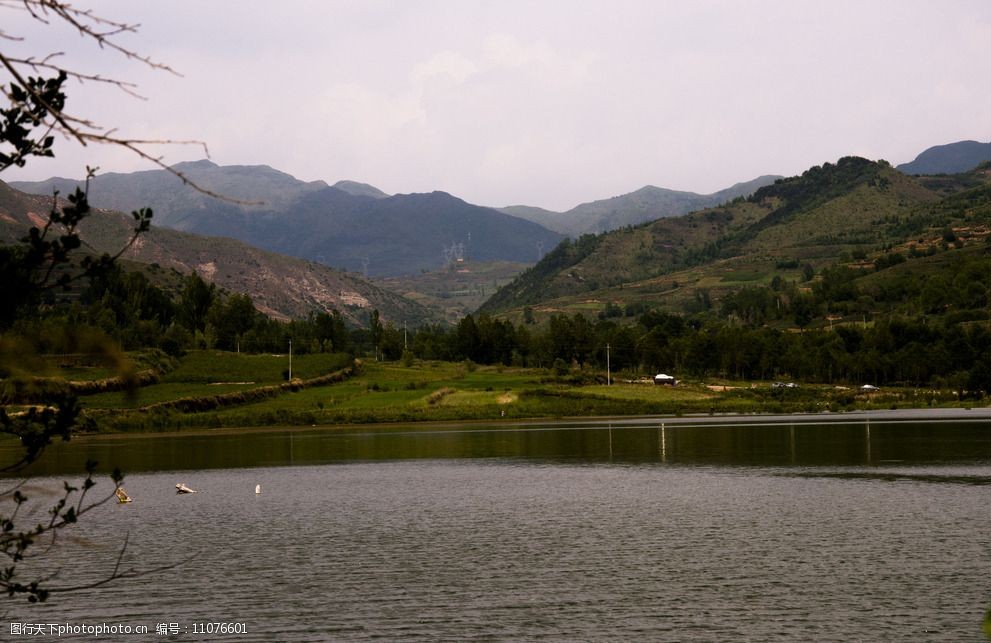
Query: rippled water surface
x,y
711,534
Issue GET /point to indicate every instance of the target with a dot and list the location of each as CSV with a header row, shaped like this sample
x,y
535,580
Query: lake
x,y
873,527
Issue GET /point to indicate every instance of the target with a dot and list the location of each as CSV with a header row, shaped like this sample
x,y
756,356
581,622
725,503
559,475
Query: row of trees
x,y
737,337
889,351
136,314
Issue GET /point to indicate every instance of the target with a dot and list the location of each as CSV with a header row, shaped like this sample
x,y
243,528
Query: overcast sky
x,y
539,103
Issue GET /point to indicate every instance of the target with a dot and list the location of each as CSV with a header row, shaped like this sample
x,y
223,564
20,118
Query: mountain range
x,y
646,204
654,251
281,286
952,158
349,225
358,227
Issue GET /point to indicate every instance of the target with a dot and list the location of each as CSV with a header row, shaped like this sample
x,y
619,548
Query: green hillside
x,y
855,213
282,287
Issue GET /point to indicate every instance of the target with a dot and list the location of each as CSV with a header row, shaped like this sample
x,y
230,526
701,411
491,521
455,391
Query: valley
x,y
854,251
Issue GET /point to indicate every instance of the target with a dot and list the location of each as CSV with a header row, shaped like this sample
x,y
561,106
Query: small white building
x,y
665,379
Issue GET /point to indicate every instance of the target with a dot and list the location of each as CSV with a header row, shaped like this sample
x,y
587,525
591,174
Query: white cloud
x,y
449,64
545,103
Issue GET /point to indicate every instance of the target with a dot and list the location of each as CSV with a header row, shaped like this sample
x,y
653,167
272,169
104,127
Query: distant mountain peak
x,y
653,189
355,188
202,164
177,205
952,158
645,204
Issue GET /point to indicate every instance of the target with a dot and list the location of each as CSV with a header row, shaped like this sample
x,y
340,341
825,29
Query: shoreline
x,y
887,416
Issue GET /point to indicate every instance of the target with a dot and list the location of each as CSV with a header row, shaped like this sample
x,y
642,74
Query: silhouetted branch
x,y
52,114
119,574
34,113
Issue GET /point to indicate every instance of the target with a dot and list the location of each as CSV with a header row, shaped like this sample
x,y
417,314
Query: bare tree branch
x,y
89,25
118,574
85,131
34,113
46,64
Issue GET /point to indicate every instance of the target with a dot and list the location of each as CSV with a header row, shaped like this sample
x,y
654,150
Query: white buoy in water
x,y
258,488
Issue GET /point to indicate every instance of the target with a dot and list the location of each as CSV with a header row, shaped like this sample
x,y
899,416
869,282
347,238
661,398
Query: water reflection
x,y
664,441
894,476
867,439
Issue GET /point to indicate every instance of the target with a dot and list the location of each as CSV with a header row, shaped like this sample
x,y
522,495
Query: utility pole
x,y
290,360
608,370
405,347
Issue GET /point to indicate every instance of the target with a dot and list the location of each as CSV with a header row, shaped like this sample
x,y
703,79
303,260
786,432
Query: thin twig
x,y
117,574
39,65
84,131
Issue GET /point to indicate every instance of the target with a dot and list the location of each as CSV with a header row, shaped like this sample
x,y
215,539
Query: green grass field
x,y
155,394
443,391
210,373
211,367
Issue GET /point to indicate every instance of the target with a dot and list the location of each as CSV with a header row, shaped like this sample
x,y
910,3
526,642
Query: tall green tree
x,y
195,301
231,319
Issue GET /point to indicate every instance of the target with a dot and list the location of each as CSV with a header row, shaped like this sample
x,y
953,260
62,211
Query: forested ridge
x,y
897,295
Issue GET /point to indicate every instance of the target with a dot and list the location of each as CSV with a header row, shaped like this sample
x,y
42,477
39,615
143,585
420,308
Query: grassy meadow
x,y
213,389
